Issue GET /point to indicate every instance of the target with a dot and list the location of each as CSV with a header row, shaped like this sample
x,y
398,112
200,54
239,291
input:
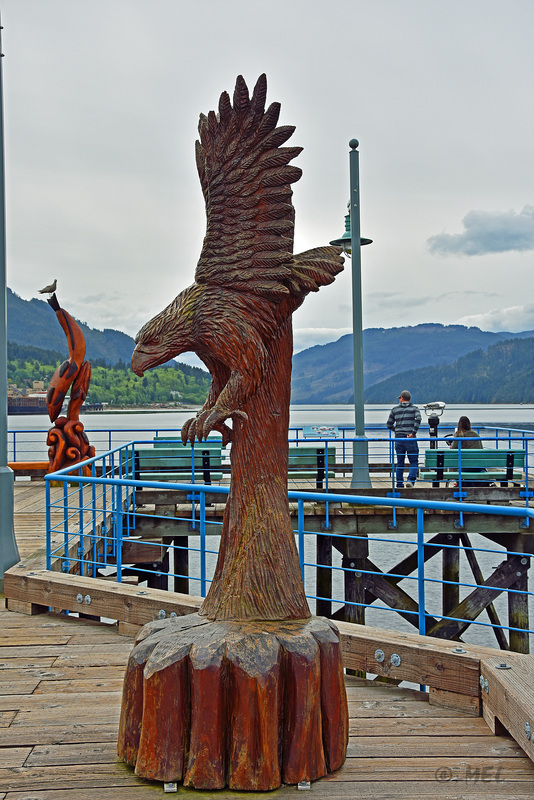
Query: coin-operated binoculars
x,y
434,412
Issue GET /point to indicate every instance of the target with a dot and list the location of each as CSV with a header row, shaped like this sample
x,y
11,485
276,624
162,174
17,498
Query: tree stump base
x,y
249,705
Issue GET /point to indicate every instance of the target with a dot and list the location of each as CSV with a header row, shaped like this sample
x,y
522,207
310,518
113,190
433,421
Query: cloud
x,y
487,232
309,337
513,318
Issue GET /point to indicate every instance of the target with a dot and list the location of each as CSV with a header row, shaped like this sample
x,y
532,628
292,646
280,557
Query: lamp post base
x,y
360,465
9,554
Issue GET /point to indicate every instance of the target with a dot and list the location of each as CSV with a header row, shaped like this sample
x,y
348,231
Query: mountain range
x,y
33,322
324,373
460,364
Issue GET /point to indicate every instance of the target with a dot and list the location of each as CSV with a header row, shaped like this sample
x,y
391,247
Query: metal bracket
x,y
459,495
303,785
458,525
170,787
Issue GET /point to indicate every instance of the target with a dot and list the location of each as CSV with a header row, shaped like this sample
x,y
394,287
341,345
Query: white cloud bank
x,y
487,232
513,318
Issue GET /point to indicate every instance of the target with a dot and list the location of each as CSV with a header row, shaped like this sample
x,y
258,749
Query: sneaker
x,y
409,485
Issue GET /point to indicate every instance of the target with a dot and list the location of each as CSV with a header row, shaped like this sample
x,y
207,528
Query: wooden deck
x,y
60,694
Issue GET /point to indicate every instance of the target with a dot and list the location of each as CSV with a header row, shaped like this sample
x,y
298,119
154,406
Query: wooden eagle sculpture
x,y
250,691
237,318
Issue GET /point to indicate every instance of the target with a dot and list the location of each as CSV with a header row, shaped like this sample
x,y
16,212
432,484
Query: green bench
x,y
309,461
170,460
489,466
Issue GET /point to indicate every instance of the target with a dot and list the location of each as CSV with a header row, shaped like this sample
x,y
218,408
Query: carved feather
x,y
246,178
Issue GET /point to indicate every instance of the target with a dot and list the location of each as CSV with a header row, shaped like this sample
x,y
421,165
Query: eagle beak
x,y
141,361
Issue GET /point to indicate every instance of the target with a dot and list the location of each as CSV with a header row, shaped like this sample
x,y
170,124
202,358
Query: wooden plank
x,y
56,777
53,638
40,702
445,727
17,686
383,710
22,663
138,792
82,753
463,702
7,717
14,756
461,768
122,646
510,695
70,672
80,686
57,734
432,746
428,790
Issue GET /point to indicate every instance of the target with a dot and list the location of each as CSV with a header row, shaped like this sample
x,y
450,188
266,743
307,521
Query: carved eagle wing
x,y
246,179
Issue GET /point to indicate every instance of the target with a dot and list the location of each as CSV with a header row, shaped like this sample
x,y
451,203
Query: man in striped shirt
x,y
405,419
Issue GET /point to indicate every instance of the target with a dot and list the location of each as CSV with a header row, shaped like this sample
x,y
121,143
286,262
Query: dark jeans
x,y
403,448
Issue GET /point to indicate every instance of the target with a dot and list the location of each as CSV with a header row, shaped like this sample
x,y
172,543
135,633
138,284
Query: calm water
x,y
516,416
386,553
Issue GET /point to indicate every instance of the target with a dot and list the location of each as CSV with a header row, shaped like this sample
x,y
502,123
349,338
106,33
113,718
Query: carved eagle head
x,y
167,334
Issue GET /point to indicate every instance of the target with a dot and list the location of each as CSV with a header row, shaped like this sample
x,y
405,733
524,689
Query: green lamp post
x,y
351,242
9,554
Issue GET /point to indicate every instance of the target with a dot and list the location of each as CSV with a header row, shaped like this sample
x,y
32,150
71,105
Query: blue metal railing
x,y
92,517
30,444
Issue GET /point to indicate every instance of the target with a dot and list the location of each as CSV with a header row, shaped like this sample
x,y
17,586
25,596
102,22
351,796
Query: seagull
x,y
49,289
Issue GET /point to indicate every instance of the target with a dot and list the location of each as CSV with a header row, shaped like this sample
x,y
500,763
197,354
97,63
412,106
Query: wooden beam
x,y
509,699
421,659
479,578
472,606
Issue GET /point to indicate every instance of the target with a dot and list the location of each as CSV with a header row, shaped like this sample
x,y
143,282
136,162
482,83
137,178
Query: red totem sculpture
x,y
248,693
67,440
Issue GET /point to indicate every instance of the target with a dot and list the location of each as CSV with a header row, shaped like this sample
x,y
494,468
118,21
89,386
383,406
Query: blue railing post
x,y
421,570
300,529
48,526
203,544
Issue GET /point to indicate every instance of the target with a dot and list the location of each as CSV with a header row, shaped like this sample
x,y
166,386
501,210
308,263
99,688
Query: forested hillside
x,y
502,374
117,385
324,374
34,323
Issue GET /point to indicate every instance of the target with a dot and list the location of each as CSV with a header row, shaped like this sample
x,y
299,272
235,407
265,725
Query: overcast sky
x,y
101,104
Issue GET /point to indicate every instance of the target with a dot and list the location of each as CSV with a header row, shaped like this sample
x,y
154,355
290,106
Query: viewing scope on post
x,y
434,412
